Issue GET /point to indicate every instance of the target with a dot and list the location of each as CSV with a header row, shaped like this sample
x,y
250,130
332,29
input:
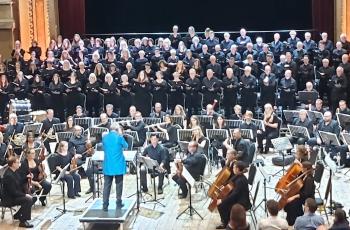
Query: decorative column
x,y
7,27
342,18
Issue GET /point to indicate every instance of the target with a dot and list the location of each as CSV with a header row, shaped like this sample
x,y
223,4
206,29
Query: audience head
x,y
272,207
238,219
310,205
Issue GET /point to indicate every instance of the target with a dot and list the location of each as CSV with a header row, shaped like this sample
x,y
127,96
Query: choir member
x,y
56,89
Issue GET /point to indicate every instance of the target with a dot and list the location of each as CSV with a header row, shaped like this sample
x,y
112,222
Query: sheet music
x,y
295,130
186,174
329,138
346,138
129,155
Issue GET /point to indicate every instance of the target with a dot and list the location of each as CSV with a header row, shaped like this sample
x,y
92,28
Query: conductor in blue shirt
x,y
114,165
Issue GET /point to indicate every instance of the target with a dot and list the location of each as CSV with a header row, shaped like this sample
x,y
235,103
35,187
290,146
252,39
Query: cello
x,y
220,189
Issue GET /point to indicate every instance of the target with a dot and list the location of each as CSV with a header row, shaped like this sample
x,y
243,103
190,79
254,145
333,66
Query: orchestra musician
x,y
47,128
157,113
69,124
271,123
33,168
194,162
240,145
71,177
3,150
248,124
139,127
294,207
109,111
157,152
237,109
30,142
170,130
302,121
14,127
238,195
14,195
198,136
179,111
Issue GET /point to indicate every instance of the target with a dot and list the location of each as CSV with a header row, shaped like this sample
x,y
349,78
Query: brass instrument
x,y
127,121
49,135
19,139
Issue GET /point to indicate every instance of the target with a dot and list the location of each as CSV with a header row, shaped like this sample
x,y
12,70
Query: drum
x,y
21,106
38,116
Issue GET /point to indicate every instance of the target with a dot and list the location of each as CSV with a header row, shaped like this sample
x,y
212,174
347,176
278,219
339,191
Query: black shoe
x,y
144,189
25,224
71,197
221,226
105,209
160,191
77,195
89,191
43,203
120,204
182,196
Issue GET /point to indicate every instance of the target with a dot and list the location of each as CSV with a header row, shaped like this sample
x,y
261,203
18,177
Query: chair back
x,y
318,172
51,160
251,174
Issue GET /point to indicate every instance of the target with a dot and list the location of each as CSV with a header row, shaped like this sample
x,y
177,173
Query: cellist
x,y
238,195
32,168
294,207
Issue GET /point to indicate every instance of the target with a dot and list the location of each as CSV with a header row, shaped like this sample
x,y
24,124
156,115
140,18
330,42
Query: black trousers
x,y
224,211
143,177
107,188
73,183
268,136
294,209
25,212
182,183
46,189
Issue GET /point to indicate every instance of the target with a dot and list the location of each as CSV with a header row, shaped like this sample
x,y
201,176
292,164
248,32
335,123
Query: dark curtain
x,y
71,17
323,18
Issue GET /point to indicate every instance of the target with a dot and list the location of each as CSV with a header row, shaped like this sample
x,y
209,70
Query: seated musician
x,y
220,123
302,121
30,142
132,112
248,124
71,177
301,154
194,163
198,136
14,127
170,130
33,168
239,144
157,152
343,108
210,111
179,111
157,113
294,207
325,125
79,112
271,129
237,113
48,127
239,195
69,124
105,123
3,150
139,127
109,111
13,193
194,122
318,107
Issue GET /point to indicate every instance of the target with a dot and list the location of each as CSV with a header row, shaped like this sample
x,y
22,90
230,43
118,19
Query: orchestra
x,y
137,92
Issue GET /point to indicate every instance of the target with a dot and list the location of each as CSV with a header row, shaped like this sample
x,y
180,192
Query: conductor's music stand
x,y
281,144
59,178
190,180
152,164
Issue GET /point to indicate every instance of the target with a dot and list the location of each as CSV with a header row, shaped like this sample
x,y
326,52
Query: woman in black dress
x,y
39,185
100,72
56,88
159,91
142,97
93,96
4,95
125,95
20,86
74,96
37,90
109,91
176,94
66,71
294,207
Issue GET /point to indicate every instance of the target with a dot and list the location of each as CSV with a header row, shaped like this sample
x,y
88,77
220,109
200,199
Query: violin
x,y
42,175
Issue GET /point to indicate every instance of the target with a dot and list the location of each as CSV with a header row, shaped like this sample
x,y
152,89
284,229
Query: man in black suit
x,y
240,145
194,163
48,127
13,194
139,127
239,195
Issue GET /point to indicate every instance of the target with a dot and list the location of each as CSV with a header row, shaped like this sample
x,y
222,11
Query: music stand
x,y
34,128
184,135
246,134
152,164
97,132
290,115
60,127
151,120
119,119
218,135
233,123
134,135
177,119
205,121
332,169
329,138
266,177
132,156
259,124
345,138
308,97
343,120
190,180
315,116
161,135
63,136
59,178
84,122
298,131
281,144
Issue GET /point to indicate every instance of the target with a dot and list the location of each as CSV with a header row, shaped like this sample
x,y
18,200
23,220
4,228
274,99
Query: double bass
x,y
220,189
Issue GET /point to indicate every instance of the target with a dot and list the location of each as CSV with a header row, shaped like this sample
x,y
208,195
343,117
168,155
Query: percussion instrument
x,y
22,106
38,116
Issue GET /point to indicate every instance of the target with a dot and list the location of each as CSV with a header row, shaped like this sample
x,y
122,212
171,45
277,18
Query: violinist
x,y
239,194
271,124
30,142
294,207
34,168
198,136
71,177
194,163
3,150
